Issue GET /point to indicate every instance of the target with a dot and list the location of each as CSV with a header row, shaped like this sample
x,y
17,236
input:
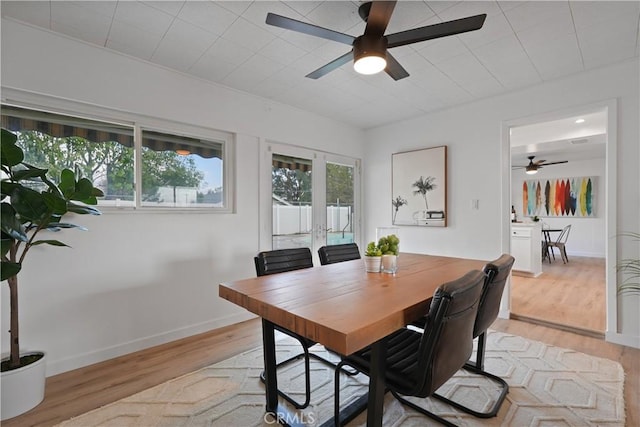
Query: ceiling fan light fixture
x,y
531,170
370,55
370,64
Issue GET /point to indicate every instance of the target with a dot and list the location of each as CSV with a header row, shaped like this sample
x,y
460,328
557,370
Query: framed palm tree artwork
x,y
419,187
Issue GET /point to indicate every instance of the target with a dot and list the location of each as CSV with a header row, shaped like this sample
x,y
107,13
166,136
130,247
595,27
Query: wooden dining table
x,y
346,309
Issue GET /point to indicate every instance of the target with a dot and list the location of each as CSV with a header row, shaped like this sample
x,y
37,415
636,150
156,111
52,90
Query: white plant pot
x,y
372,263
23,388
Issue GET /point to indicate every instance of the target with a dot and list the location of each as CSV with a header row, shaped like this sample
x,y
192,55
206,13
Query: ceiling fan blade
x,y
538,162
379,16
310,29
325,69
555,163
435,31
394,69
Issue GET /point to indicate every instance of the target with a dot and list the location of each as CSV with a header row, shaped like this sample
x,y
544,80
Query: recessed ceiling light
x,y
580,121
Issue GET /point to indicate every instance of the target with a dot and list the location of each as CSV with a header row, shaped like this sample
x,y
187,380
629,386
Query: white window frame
x,y
138,122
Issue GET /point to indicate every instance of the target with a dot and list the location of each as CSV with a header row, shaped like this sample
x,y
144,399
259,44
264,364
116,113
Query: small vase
x,y
372,264
389,263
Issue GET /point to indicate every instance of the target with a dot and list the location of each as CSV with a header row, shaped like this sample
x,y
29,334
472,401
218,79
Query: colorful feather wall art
x,y
559,197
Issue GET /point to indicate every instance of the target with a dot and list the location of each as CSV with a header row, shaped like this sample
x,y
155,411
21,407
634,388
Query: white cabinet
x,y
526,248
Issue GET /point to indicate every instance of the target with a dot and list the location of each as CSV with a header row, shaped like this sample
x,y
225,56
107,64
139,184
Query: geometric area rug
x,y
548,386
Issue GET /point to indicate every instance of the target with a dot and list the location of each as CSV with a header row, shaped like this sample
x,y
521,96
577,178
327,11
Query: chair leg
x,y
422,410
482,339
478,368
504,389
307,375
307,380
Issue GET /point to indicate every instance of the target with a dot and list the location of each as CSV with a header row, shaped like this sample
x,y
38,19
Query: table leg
x,y
377,384
271,380
279,413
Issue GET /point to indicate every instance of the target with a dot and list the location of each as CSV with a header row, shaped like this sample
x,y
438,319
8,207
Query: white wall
x,y
476,164
138,279
587,236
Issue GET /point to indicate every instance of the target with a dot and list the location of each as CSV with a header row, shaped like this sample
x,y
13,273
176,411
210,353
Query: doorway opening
x,y
573,143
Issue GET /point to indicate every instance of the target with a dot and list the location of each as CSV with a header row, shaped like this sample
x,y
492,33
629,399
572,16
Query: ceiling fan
x,y
533,167
370,50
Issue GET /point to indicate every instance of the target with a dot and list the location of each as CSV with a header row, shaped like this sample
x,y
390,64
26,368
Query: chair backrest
x,y
564,234
497,273
338,253
447,341
281,260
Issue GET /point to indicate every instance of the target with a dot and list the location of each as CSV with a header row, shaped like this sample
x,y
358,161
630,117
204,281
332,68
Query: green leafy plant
x,y
372,250
31,203
630,269
389,245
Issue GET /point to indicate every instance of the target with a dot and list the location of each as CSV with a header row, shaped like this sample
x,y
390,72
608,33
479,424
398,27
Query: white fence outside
x,y
299,219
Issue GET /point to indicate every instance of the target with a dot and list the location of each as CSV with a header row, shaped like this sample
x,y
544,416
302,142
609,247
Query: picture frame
x,y
572,197
419,187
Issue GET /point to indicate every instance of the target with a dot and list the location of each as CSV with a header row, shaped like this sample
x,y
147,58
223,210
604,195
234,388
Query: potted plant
x,y
31,203
389,246
372,258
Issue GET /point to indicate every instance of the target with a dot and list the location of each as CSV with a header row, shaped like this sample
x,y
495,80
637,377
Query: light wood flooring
x,y
75,392
570,295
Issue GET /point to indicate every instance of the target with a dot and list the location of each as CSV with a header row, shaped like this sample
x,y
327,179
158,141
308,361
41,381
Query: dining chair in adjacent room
x,y
338,253
560,243
280,261
546,238
418,363
497,272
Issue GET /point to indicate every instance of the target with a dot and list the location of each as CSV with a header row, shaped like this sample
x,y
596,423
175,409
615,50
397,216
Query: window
x,y
181,171
176,171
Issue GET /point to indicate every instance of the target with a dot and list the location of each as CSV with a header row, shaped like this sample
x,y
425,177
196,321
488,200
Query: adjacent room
x,y
259,212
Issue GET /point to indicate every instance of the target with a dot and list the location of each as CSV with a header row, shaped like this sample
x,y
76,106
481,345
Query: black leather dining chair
x,y
279,261
338,253
497,273
418,363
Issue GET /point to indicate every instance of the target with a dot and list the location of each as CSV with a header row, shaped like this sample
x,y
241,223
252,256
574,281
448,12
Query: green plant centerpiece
x,y
389,245
372,258
31,203
372,250
390,248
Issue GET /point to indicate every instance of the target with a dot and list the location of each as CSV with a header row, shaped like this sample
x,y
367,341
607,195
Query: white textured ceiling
x,y
227,42
571,138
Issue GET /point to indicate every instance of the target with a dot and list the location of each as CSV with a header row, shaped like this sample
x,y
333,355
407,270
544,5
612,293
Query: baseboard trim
x,y
89,358
622,339
580,331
